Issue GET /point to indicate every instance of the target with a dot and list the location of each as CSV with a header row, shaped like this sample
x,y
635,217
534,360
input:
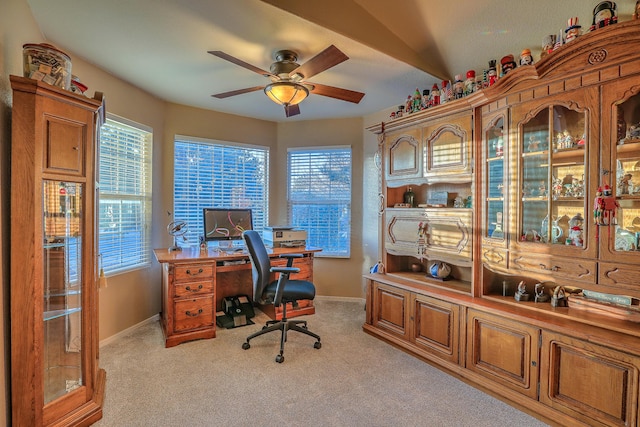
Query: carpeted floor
x,y
353,380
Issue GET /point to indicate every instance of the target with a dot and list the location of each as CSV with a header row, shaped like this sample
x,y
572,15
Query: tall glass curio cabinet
x,y
54,294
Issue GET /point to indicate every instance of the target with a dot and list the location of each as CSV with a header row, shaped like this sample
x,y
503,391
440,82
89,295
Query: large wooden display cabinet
x,y
55,378
544,140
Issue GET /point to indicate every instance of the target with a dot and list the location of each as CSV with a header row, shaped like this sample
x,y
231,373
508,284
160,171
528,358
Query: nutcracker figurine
x,y
604,14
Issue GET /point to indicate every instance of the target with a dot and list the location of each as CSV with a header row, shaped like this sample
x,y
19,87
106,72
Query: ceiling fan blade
x,y
237,92
233,59
337,93
326,59
291,110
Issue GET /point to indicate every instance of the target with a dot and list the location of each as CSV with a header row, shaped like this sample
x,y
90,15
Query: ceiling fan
x,y
288,78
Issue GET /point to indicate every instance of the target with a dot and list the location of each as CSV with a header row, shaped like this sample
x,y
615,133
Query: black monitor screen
x,y
226,224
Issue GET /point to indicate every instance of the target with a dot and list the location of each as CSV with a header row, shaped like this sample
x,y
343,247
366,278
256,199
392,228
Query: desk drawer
x,y
192,272
304,264
194,313
193,288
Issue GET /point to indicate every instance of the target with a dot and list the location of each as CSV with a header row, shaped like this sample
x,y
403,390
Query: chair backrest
x,y
260,263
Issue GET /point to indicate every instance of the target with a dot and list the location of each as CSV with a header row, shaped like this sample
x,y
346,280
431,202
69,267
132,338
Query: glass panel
x,y
627,173
62,288
494,227
535,178
555,170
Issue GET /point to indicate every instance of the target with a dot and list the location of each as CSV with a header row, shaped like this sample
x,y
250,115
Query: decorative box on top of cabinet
x,y
54,289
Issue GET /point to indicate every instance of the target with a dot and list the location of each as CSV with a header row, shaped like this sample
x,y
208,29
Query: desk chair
x,y
278,292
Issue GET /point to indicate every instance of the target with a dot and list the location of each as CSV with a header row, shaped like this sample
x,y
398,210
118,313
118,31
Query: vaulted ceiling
x,y
393,47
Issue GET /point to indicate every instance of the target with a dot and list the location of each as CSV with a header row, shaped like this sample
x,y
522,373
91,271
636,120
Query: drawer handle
x,y
194,274
190,314
193,290
554,268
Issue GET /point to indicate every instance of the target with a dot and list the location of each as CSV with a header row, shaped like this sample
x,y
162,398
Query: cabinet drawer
x,y
193,288
565,268
194,313
619,275
304,264
192,272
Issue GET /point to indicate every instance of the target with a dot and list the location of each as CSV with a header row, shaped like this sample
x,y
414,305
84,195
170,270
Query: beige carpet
x,y
353,380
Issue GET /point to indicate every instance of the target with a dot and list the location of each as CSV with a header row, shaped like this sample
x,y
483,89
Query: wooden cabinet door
x,y
390,310
403,156
503,351
447,149
591,383
435,327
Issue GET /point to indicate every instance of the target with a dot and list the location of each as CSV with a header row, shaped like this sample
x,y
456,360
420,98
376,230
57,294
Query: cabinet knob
x,y
76,148
190,314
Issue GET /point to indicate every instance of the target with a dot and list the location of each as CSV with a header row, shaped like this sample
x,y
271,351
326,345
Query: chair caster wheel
x,y
279,358
317,344
246,346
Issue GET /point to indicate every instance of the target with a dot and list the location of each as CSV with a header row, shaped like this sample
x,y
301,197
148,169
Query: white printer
x,y
281,236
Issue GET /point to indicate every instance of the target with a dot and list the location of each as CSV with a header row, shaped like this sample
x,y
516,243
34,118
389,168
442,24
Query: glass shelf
x,y
54,314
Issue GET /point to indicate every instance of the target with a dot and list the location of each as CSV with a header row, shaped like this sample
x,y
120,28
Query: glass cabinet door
x,y
494,227
63,366
553,158
626,221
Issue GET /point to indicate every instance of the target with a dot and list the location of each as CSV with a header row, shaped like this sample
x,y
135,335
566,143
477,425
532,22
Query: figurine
x,y
540,296
508,63
470,82
636,11
416,102
547,45
604,14
573,29
492,74
445,92
574,238
598,207
521,294
426,99
558,299
458,87
435,95
625,184
526,58
400,111
408,105
559,41
610,206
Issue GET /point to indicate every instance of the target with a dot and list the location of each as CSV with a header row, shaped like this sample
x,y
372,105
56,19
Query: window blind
x,y
214,174
125,196
319,197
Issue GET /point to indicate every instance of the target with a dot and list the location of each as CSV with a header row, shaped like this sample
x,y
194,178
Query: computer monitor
x,y
226,224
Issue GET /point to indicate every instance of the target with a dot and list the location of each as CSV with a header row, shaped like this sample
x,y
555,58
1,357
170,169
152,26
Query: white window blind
x,y
209,174
319,197
125,196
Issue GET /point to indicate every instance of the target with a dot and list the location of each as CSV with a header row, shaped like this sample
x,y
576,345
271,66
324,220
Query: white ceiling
x,y
161,45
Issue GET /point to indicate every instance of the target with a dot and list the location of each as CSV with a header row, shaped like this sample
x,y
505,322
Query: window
x,y
319,197
212,174
125,195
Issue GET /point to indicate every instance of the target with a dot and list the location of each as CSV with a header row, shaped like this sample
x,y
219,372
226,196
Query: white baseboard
x,y
114,337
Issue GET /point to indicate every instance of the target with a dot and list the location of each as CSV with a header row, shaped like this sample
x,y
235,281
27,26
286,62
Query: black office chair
x,y
278,292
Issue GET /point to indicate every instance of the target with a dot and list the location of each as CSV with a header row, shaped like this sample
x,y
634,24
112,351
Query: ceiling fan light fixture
x,y
286,93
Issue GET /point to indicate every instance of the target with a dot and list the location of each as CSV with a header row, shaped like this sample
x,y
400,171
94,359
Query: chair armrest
x,y
287,270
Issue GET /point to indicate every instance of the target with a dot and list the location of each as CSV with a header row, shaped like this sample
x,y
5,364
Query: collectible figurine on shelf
x,y
446,93
470,82
636,11
408,105
574,236
541,295
558,299
522,294
604,14
559,41
426,99
508,63
547,45
458,87
435,95
573,29
492,74
525,57
598,207
625,184
416,102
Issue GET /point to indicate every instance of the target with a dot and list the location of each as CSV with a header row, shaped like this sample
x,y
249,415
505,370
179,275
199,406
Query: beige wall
x,y
133,297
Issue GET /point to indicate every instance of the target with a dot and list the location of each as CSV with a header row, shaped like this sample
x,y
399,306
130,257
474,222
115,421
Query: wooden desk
x,y
194,284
